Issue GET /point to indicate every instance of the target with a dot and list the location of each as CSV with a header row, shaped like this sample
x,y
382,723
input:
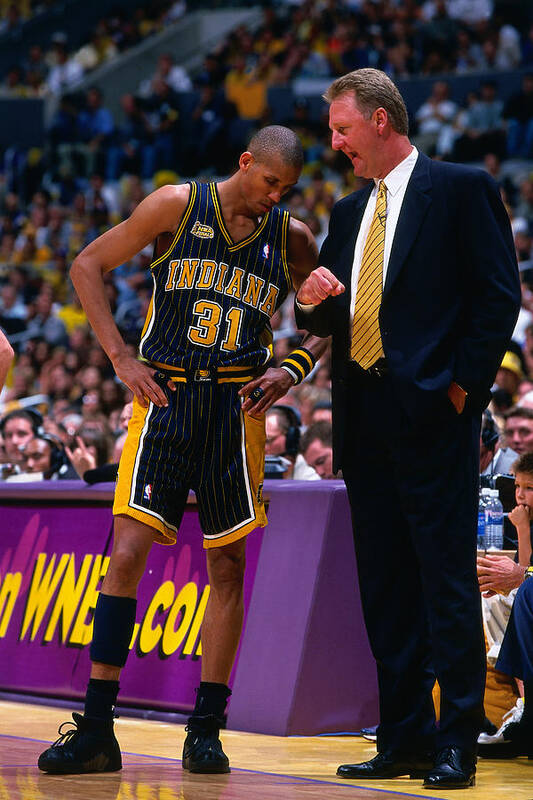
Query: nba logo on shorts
x,y
266,251
147,494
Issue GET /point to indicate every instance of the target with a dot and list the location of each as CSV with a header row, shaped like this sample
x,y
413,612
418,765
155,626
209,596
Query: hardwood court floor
x,y
263,767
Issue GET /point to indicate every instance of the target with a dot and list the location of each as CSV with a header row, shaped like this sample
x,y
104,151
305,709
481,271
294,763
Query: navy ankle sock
x,y
100,699
211,698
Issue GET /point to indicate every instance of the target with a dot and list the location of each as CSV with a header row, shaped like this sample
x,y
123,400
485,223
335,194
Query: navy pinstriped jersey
x,y
213,298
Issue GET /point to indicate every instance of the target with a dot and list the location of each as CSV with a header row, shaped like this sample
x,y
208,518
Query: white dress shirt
x,y
396,182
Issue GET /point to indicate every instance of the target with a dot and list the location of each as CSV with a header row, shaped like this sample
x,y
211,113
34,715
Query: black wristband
x,y
299,364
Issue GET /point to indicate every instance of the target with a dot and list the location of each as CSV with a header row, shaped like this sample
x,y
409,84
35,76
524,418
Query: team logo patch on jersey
x,y
203,376
147,493
266,251
202,231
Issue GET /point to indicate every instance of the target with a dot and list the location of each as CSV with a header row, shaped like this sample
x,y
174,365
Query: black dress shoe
x,y
515,741
455,768
388,764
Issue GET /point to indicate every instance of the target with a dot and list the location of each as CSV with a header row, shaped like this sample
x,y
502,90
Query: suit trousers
x,y
413,491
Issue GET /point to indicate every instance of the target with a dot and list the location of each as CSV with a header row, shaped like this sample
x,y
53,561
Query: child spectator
x,y
499,579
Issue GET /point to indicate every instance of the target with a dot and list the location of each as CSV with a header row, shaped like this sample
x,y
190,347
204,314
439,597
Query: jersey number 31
x,y
205,332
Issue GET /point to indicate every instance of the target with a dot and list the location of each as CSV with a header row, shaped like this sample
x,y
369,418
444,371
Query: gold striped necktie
x,y
366,346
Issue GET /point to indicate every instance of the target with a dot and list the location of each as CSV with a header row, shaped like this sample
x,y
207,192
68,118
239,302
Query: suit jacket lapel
x,y
348,234
415,204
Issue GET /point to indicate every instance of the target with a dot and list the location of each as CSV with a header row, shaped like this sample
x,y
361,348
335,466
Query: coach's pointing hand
x,y
320,284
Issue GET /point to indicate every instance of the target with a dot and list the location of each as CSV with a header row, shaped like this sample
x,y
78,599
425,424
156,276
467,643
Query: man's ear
x,y
246,160
380,118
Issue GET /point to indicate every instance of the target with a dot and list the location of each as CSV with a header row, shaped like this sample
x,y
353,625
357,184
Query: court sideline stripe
x,y
241,769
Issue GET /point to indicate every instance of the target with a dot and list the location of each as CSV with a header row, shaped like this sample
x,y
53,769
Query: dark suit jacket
x,y
450,300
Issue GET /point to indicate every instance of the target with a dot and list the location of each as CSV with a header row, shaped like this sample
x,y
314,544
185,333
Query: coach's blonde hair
x,y
372,89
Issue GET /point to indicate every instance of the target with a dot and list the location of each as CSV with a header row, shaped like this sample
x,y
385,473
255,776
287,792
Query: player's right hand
x,y
321,283
140,379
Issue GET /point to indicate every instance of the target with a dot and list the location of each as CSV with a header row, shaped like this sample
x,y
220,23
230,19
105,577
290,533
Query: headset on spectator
x,y
58,457
292,436
34,417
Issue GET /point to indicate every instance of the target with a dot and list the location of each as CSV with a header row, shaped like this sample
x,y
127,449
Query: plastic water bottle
x,y
481,524
488,518
494,536
497,521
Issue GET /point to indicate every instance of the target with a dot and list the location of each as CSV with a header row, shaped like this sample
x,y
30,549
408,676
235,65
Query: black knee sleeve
x,y
114,618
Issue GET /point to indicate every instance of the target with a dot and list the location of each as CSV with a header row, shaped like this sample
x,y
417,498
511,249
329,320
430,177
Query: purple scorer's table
x,y
303,665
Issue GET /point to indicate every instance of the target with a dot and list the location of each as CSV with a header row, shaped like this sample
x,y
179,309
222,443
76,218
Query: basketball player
x,y
6,357
225,259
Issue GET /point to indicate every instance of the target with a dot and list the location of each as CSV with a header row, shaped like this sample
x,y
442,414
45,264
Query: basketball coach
x,y
419,287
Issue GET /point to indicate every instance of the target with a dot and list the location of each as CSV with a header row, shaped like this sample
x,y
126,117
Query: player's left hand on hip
x,y
145,382
263,392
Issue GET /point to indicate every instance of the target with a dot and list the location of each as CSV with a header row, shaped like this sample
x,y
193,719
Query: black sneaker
x,y
489,728
202,750
498,736
370,734
90,746
516,741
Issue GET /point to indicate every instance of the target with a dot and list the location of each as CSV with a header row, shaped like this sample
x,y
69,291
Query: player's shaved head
x,y
276,141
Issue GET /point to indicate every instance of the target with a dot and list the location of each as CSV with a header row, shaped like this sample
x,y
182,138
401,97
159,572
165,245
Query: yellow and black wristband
x,y
299,364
